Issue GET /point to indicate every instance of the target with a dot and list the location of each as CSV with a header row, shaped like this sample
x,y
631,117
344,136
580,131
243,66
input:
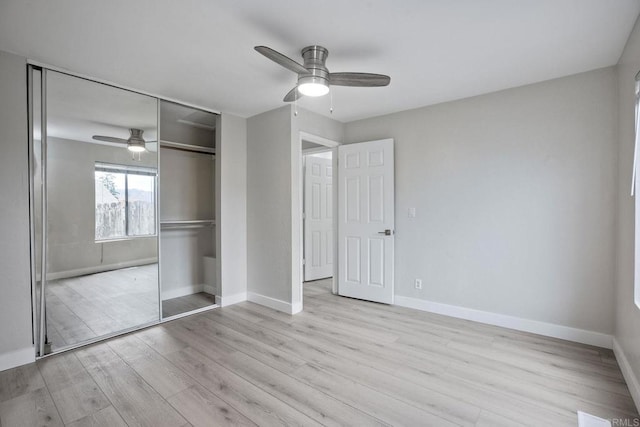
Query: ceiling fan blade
x,y
359,79
281,59
109,139
293,95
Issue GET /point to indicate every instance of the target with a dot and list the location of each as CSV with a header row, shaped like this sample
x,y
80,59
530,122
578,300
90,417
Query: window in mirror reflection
x,y
124,201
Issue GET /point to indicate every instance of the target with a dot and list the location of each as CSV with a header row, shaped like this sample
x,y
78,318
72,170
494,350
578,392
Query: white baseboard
x,y
181,291
527,325
273,303
296,308
209,289
16,358
231,299
627,373
99,268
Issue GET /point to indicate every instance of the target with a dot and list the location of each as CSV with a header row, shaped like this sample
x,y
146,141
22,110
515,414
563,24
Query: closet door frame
x,y
38,313
38,309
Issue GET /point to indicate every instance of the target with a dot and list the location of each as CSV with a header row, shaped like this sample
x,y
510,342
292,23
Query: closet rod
x,y
195,223
188,147
183,227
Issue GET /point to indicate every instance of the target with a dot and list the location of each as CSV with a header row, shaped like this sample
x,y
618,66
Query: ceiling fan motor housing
x,y
314,60
135,141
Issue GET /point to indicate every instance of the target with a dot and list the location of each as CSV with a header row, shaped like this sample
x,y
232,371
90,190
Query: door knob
x,y
386,232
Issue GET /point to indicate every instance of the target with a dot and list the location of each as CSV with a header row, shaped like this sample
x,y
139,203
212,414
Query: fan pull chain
x,y
295,104
331,102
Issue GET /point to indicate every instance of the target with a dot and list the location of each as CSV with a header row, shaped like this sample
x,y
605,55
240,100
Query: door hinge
x,y
304,262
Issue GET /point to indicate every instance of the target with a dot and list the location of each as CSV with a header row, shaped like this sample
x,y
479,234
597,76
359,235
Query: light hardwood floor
x,y
86,307
340,362
179,305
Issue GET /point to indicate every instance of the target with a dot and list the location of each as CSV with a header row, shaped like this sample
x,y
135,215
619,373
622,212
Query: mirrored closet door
x,y
187,209
94,154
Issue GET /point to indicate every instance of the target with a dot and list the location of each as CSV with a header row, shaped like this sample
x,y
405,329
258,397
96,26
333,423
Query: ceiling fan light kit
x,y
135,143
136,148
314,77
313,86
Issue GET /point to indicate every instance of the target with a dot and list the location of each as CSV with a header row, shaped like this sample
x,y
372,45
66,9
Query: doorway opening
x,y
318,214
363,220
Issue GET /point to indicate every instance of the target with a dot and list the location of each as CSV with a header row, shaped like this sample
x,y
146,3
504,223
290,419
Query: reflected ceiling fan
x,y
314,77
135,143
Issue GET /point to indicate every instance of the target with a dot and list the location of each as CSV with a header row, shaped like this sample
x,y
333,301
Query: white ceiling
x,y
77,109
201,51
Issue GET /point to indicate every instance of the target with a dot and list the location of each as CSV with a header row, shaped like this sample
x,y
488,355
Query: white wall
x,y
73,249
315,124
627,314
269,204
231,211
515,194
187,185
273,200
16,345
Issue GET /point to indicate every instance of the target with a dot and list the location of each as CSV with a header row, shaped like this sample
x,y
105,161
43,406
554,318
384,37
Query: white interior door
x,y
366,220
318,222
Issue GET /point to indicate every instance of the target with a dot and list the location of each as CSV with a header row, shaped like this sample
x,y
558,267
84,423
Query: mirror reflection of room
x,y
101,225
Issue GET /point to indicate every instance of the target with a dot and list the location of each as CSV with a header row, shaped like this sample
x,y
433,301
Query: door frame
x,y
297,205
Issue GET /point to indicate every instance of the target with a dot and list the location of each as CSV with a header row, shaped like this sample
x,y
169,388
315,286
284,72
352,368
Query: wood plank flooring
x,y
86,307
340,362
179,305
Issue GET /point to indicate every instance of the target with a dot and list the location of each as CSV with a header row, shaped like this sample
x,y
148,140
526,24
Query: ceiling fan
x,y
135,142
314,78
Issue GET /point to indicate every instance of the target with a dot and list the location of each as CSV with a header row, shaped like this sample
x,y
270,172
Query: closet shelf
x,y
194,223
187,147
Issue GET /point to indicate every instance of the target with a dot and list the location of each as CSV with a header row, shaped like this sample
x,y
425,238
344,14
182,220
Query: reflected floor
x,y
87,307
184,304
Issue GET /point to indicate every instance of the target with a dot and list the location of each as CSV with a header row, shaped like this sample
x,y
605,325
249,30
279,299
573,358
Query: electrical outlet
x,y
418,283
411,213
